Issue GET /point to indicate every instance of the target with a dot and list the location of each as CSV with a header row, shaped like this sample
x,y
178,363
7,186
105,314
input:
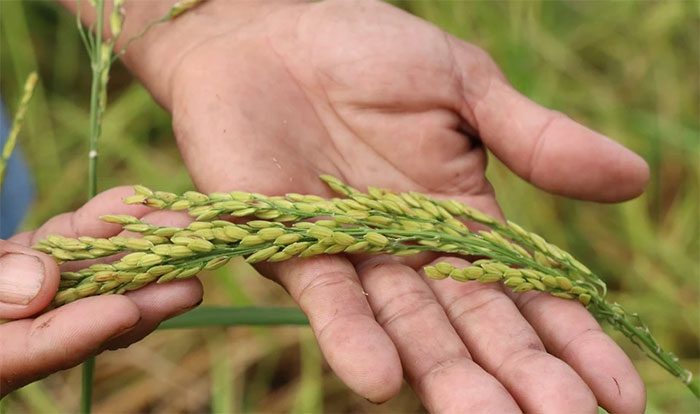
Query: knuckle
x,y
325,283
589,334
476,297
413,303
440,366
518,358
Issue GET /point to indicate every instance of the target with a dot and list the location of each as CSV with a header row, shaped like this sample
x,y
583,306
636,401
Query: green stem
x,y
88,370
208,316
86,391
694,387
95,90
138,36
639,335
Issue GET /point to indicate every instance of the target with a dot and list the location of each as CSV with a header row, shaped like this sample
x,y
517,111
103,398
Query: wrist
x,y
155,55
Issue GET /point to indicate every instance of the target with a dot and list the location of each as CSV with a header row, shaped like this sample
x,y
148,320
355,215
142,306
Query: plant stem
x,y
88,369
694,386
88,374
95,110
639,335
100,53
208,316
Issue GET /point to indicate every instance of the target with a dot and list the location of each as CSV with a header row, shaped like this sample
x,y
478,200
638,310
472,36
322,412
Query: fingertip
x,y
61,338
636,398
80,329
464,387
157,302
629,395
556,388
637,177
609,373
49,286
111,316
119,310
83,326
570,333
28,280
86,221
355,346
576,161
165,299
615,174
368,363
554,152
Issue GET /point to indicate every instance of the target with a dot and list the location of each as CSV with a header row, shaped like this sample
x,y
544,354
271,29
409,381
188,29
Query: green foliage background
x,y
630,69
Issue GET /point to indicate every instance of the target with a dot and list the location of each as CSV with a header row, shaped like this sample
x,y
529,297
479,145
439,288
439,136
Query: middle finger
x,y
504,343
433,356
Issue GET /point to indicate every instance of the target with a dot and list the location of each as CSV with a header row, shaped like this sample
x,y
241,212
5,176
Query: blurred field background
x,y
628,68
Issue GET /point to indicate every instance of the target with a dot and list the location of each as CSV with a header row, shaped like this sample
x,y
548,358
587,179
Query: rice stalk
x,y
102,56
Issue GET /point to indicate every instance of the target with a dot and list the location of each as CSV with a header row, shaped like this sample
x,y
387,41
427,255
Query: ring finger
x,y
433,356
505,345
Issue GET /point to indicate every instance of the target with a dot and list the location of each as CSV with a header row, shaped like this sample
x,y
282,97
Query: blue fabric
x,y
17,191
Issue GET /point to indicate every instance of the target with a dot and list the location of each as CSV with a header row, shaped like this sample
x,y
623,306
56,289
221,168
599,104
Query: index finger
x,y
358,350
85,221
82,222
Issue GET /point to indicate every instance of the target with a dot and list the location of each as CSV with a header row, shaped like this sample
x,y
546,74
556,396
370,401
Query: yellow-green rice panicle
x,y
338,186
17,122
182,6
378,221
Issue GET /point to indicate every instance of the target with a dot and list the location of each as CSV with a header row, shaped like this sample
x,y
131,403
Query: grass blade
x,y
88,373
207,316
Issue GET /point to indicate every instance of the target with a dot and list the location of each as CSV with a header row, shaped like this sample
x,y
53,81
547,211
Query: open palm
x,y
369,93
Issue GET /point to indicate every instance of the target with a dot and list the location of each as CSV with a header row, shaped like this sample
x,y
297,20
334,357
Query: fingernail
x,y
185,309
21,277
126,329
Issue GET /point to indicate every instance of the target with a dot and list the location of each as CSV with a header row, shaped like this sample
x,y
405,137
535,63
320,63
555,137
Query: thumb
x,y
28,280
549,149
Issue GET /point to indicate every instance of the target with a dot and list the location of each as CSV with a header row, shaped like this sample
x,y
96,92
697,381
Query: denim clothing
x,y
17,191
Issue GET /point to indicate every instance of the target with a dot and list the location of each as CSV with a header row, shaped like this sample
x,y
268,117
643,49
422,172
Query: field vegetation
x,y
627,68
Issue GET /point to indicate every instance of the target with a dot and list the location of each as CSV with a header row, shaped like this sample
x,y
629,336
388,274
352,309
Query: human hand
x,y
34,346
267,96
